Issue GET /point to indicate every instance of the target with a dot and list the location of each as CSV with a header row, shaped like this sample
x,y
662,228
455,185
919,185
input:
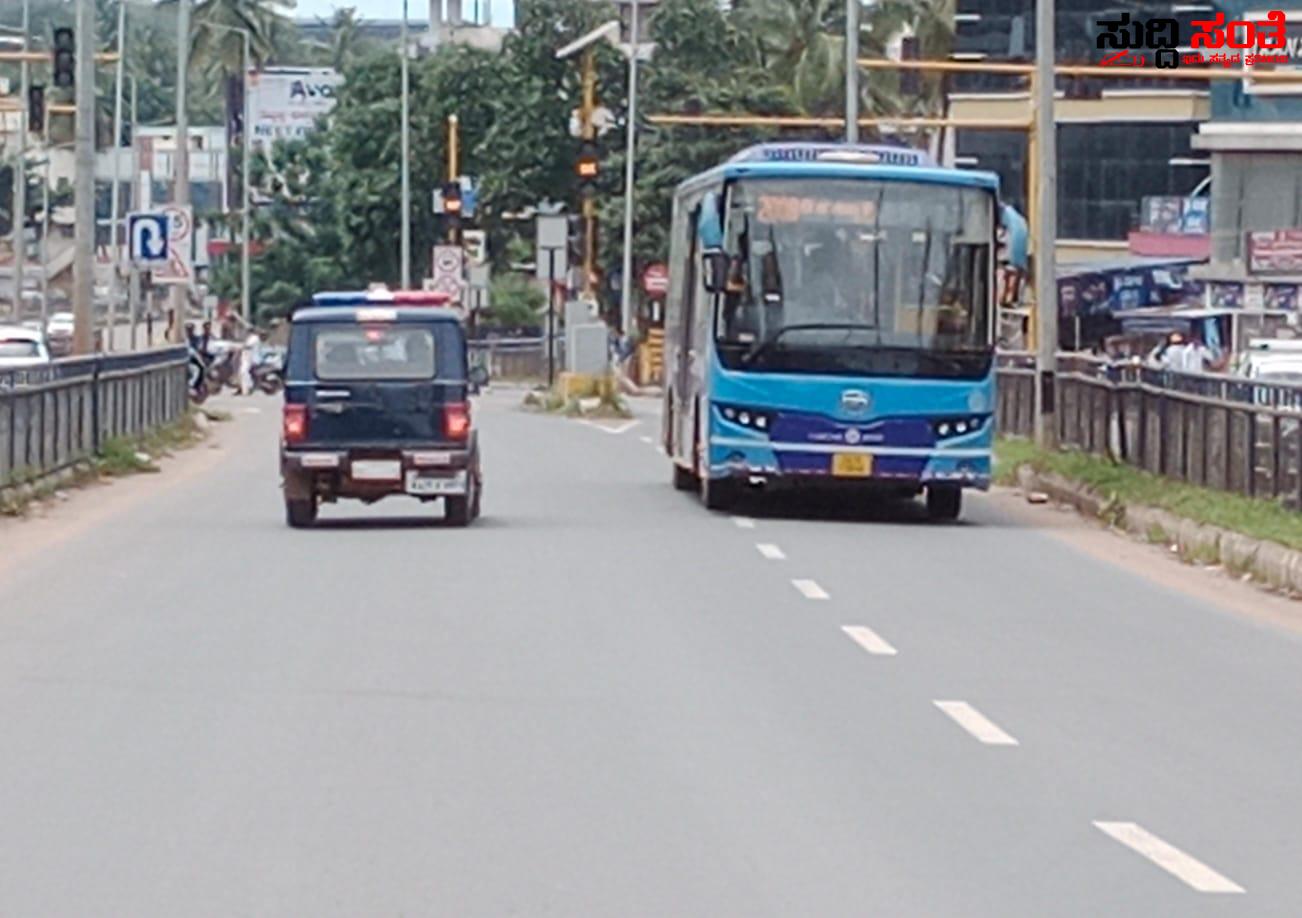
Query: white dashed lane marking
x,y
1190,871
743,522
772,552
810,589
976,723
869,640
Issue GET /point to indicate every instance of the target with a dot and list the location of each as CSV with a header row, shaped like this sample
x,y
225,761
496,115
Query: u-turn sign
x,y
147,234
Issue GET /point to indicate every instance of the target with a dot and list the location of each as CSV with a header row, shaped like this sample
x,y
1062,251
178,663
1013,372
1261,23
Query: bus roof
x,y
837,161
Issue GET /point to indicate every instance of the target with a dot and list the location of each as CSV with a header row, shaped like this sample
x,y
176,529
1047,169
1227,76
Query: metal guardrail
x,y
1222,432
516,358
62,413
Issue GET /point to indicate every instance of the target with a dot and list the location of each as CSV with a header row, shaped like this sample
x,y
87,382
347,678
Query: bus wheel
x,y
684,480
944,502
718,493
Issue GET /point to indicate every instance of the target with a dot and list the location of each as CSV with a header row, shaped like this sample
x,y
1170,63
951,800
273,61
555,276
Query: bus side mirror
x,y
714,268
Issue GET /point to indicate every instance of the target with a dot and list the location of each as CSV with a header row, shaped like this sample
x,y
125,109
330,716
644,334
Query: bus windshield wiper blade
x,y
764,346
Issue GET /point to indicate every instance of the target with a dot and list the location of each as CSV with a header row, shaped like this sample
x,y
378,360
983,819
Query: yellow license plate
x,y
852,465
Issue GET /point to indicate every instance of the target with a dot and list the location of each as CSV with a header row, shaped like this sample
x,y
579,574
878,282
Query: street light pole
x,y
626,283
246,233
181,162
852,71
405,248
1046,197
115,197
20,174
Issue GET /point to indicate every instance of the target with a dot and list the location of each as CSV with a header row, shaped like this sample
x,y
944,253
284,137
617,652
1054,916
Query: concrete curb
x,y
18,496
1268,563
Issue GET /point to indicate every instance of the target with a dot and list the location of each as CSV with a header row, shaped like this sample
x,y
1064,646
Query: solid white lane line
x,y
976,723
1171,859
772,552
869,640
810,589
743,522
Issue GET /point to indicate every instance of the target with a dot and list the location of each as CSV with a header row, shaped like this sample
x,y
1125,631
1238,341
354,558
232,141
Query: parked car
x,y
22,347
58,332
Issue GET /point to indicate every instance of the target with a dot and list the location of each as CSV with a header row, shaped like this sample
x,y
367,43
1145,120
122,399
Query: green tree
x,y
514,302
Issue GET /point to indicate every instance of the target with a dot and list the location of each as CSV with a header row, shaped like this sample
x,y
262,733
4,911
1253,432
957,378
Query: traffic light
x,y
36,110
588,168
452,211
65,58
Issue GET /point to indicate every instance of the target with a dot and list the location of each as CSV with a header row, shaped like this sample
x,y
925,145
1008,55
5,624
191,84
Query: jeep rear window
x,y
373,352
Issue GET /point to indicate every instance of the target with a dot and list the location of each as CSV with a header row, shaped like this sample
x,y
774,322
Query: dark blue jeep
x,y
377,403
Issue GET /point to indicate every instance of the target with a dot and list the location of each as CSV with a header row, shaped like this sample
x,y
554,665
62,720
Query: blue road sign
x,y
147,234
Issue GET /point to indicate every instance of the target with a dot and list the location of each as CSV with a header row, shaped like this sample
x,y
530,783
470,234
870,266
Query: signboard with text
x,y
285,102
1275,251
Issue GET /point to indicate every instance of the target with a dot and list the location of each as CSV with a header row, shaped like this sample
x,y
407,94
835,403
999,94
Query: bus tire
x,y
684,480
718,493
944,502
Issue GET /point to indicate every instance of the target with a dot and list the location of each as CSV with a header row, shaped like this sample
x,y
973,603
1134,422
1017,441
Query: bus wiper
x,y
767,344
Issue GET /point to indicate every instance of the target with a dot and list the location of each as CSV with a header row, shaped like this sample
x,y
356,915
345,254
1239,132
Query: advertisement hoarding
x,y
285,102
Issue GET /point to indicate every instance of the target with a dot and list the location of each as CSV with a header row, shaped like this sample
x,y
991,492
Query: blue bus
x,y
831,319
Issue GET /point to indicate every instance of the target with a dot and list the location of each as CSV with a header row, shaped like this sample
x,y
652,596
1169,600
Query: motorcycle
x,y
267,377
196,372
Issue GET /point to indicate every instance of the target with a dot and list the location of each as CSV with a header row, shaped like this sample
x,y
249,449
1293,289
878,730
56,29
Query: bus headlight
x,y
958,427
750,418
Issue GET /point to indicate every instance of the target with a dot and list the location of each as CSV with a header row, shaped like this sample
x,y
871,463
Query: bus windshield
x,y
857,276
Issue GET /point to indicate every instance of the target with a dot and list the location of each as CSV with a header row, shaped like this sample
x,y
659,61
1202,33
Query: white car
x,y
58,330
22,347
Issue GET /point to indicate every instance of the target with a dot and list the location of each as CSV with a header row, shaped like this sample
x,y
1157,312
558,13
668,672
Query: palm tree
x,y
803,43
929,25
219,50
346,42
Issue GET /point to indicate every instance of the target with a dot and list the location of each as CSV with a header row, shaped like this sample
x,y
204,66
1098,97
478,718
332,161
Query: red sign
x,y
1275,251
655,280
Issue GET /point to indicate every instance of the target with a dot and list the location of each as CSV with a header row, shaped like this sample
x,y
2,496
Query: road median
x,y
1251,538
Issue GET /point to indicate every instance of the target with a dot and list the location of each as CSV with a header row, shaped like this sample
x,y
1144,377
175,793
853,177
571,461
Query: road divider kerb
x,y
1266,562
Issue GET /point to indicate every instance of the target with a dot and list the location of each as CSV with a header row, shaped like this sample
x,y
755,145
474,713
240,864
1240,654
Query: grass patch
x,y
1260,519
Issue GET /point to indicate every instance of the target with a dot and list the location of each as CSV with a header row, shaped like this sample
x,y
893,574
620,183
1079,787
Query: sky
x,y
387,9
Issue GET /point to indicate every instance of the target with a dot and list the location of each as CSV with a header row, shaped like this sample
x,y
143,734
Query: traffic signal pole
x,y
589,134
83,265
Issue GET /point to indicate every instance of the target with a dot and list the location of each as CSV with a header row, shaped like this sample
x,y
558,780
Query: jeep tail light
x,y
294,423
456,420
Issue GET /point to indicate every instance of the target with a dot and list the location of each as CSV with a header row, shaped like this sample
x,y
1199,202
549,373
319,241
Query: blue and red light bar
x,y
380,297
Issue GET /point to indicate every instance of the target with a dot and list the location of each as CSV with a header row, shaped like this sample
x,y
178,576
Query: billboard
x,y
285,102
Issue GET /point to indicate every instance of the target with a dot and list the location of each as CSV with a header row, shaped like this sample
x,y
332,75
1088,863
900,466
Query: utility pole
x,y
626,284
246,237
114,208
852,71
20,173
1046,197
83,265
405,248
181,162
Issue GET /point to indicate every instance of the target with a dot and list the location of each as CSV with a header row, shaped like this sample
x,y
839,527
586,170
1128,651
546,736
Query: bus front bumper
x,y
762,462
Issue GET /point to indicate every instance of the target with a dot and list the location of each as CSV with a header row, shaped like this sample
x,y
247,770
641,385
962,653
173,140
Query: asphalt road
x,y
602,700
